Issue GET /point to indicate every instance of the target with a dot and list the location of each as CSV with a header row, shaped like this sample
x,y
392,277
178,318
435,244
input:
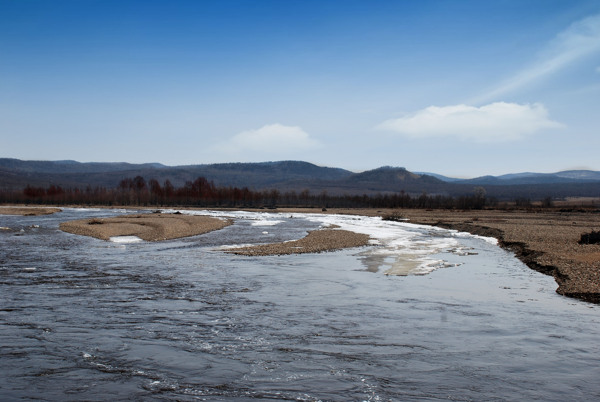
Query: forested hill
x,y
297,176
16,174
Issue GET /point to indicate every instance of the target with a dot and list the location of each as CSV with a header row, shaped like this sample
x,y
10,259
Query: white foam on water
x,y
125,239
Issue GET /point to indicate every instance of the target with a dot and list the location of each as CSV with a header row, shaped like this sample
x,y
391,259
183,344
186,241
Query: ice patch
x,y
490,240
257,217
85,209
400,248
226,247
397,248
125,239
224,215
265,222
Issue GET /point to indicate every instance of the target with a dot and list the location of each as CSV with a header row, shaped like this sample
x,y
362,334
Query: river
x,y
421,314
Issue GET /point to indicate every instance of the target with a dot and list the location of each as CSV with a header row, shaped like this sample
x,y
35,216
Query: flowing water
x,y
421,314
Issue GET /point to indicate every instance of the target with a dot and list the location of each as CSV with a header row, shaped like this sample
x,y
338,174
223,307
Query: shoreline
x,y
544,240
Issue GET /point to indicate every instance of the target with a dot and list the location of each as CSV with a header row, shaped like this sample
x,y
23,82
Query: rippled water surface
x,y
85,319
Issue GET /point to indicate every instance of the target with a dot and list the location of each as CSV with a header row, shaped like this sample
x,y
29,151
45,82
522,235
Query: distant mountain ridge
x,y
70,166
15,174
567,176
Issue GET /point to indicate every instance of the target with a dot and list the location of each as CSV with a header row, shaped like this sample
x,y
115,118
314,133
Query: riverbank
x,y
545,240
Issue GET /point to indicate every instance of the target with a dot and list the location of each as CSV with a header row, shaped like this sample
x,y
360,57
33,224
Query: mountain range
x,y
15,174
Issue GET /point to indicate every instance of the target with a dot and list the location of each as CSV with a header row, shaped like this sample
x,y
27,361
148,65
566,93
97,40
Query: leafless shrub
x,y
394,217
590,238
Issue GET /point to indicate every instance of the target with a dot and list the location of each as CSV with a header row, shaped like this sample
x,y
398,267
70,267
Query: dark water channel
x,y
85,319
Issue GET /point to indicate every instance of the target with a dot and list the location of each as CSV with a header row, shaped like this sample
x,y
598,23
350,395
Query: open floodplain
x,y
420,313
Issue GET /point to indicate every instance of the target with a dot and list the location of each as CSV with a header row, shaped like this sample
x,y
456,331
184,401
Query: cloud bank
x,y
579,40
270,141
498,121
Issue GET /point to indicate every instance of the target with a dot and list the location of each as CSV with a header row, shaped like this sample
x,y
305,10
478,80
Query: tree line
x,y
204,193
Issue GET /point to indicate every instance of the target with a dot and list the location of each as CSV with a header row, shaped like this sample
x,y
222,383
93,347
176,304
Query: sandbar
x,y
149,227
28,211
328,239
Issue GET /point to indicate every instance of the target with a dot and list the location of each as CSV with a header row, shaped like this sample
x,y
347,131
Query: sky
x,y
460,88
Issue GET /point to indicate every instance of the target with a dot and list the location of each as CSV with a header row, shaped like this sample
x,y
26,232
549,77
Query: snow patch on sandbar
x,y
125,239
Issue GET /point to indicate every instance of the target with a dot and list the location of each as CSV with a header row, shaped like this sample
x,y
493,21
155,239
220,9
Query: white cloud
x,y
579,40
499,121
274,141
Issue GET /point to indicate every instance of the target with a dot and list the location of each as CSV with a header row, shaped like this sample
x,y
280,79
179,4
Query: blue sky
x,y
462,88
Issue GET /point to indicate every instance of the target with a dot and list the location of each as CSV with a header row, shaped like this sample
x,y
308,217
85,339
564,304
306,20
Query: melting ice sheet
x,y
398,248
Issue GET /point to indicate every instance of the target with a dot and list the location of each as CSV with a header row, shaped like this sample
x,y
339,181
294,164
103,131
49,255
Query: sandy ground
x,y
150,227
28,211
315,242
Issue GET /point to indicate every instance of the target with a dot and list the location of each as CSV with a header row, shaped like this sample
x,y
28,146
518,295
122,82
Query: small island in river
x,y
149,227
328,239
28,211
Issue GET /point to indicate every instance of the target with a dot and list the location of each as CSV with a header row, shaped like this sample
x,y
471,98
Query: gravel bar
x,y
315,242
